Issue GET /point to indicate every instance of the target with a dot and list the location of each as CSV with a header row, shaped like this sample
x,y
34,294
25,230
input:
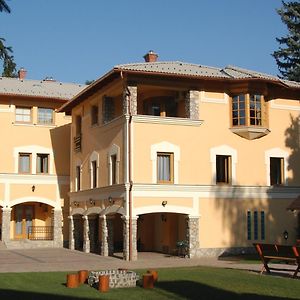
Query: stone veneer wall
x,y
193,235
117,278
192,105
130,100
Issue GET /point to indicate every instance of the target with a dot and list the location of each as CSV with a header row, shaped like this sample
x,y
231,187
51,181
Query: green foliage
x,y
288,55
9,66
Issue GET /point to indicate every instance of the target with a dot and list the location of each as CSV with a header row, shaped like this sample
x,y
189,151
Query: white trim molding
x,y
159,209
165,147
284,107
94,157
223,150
114,150
33,150
276,152
54,204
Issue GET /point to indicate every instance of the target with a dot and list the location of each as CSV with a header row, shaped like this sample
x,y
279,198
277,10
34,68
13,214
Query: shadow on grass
x,y
192,290
12,294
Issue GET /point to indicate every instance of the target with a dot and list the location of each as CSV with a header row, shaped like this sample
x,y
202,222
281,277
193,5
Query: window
x,y
24,162
78,125
223,169
94,174
45,116
113,166
249,227
255,220
23,114
165,167
248,110
94,115
256,225
276,170
78,181
108,109
42,163
262,225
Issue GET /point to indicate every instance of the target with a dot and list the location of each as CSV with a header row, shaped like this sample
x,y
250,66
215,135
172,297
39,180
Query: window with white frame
x,y
23,114
94,174
42,163
165,167
45,116
114,164
165,159
223,162
78,178
276,161
24,162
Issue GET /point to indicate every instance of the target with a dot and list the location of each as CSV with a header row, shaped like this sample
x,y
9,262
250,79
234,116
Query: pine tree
x,y
9,66
288,55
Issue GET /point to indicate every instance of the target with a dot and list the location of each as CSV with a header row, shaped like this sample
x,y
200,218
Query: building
x,y
169,152
34,168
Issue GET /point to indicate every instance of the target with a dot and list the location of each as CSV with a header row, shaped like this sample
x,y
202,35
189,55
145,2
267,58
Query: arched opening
x,y
78,232
32,220
94,237
161,232
115,234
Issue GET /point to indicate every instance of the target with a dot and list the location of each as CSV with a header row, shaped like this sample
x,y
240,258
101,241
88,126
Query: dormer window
x,y
248,116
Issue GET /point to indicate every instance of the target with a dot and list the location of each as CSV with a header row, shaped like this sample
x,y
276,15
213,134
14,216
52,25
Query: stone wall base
x,y
216,252
28,244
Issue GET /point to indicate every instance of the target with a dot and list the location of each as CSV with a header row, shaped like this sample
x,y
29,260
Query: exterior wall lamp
x,y
110,200
164,203
92,202
76,204
33,188
285,235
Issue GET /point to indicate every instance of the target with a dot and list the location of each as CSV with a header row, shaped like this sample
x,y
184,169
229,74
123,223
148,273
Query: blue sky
x,y
75,41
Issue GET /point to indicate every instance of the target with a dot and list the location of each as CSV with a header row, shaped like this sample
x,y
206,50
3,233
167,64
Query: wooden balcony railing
x,y
77,143
40,233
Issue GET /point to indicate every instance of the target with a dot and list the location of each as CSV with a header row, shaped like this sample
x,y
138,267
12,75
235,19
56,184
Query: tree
x,y
288,55
9,66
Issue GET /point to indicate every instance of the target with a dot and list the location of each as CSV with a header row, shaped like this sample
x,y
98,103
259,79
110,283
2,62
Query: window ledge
x,y
250,132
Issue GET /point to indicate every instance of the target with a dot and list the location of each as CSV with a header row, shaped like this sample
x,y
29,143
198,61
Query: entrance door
x,y
23,217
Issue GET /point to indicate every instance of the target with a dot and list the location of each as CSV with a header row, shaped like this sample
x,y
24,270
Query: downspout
x,y
128,163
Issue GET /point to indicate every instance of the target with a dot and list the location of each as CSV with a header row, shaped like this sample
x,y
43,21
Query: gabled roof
x,y
39,88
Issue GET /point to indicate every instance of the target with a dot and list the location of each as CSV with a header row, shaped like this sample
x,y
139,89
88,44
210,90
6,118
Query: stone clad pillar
x,y
57,228
71,233
192,105
130,100
6,216
110,234
192,235
104,243
134,238
126,238
86,239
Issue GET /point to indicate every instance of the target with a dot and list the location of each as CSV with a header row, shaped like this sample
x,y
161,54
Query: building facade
x,y
35,161
170,153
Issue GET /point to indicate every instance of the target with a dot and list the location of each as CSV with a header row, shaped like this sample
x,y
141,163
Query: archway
x,y
160,232
78,232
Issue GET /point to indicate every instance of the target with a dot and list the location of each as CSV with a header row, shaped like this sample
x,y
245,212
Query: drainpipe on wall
x,y
128,164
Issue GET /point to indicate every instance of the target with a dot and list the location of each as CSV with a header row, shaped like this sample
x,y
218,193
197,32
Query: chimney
x,y
22,73
151,56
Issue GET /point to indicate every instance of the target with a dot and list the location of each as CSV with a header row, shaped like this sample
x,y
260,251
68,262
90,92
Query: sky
x,y
75,41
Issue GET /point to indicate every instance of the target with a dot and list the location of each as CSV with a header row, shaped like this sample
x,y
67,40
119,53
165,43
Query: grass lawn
x,y
180,283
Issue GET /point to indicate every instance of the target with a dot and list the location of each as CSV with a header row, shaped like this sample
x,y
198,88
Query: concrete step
x,y
28,244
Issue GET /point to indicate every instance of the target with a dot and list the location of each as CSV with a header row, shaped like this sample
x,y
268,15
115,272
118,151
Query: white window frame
x,y
34,150
114,150
165,147
277,153
78,164
223,150
94,157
